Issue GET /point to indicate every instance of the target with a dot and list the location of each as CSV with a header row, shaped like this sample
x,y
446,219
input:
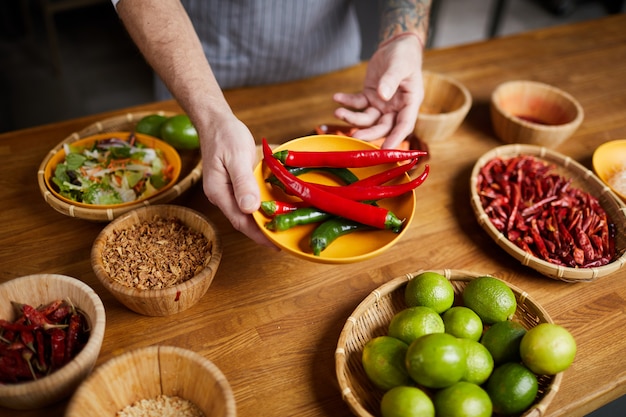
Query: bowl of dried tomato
x,y
165,380
52,327
157,260
549,212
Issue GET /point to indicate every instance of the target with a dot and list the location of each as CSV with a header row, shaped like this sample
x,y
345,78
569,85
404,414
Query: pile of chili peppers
x,y
543,214
340,209
41,340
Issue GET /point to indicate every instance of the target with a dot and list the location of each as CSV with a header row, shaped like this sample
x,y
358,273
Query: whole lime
x,y
502,340
413,322
490,298
383,362
512,388
429,289
151,125
462,399
179,132
463,322
478,361
436,360
406,402
548,349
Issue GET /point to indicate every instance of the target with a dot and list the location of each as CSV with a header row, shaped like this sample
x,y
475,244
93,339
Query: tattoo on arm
x,y
399,16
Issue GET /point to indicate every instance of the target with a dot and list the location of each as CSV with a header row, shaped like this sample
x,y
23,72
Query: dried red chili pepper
x,y
57,347
346,159
374,216
73,333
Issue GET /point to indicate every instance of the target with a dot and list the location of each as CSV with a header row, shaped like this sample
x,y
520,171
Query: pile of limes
x,y
465,359
176,130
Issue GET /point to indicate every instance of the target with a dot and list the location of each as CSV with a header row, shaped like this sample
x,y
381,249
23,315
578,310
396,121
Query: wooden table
x,y
271,323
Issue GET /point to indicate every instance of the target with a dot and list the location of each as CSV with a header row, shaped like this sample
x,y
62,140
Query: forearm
x,y
404,16
165,36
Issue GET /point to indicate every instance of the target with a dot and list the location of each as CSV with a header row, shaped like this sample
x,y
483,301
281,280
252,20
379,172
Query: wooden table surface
x,y
271,323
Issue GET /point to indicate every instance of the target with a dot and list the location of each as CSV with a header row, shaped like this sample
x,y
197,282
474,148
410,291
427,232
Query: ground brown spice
x,y
155,254
161,406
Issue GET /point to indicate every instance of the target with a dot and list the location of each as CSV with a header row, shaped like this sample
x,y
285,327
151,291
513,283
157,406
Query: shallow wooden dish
x,y
42,289
583,179
371,319
170,300
445,105
534,113
146,373
609,159
191,171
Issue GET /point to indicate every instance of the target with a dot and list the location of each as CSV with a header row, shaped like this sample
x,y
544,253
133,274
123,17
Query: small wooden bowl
x,y
445,105
609,160
170,300
371,319
146,373
534,113
41,289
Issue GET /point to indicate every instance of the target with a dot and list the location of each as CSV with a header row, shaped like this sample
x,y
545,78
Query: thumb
x,y
245,188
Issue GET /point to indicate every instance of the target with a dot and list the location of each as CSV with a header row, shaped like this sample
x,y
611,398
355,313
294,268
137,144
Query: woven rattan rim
x,y
124,122
371,318
583,179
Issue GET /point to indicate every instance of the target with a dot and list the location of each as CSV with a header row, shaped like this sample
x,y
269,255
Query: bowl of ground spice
x,y
155,381
157,260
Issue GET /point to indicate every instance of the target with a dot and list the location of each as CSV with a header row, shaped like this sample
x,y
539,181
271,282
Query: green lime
x,y
150,125
490,298
478,362
383,362
413,322
429,289
436,360
179,132
463,322
406,402
512,388
548,349
502,340
462,399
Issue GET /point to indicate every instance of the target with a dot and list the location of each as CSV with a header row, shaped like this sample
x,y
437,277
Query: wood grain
x,y
270,321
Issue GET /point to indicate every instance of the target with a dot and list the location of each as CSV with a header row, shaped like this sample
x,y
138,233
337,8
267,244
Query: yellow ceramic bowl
x,y
353,247
609,162
170,154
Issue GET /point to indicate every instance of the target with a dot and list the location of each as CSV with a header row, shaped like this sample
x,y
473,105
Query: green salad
x,y
111,171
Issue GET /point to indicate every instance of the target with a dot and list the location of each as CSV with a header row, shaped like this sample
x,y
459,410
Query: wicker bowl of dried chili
x,y
371,318
157,260
51,328
549,212
155,381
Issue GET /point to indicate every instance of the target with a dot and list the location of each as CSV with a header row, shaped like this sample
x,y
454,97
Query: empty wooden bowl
x,y
445,105
609,162
42,289
169,299
534,113
145,374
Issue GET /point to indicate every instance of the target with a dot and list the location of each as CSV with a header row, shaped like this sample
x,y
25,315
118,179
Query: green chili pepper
x,y
298,217
327,232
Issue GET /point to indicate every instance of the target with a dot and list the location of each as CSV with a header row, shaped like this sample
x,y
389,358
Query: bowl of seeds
x,y
155,381
157,260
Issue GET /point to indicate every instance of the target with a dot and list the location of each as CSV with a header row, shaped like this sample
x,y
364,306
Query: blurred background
x,y
68,58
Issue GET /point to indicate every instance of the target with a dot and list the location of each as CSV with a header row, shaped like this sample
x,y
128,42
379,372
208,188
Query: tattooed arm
x,y
393,88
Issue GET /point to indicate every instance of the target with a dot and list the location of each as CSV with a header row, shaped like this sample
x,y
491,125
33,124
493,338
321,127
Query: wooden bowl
x,y
609,162
191,171
583,179
146,373
534,113
371,319
42,289
172,299
445,105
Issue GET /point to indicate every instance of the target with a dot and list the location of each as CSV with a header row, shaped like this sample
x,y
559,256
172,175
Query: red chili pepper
x,y
375,192
363,213
41,351
385,176
275,207
73,333
50,307
346,159
57,346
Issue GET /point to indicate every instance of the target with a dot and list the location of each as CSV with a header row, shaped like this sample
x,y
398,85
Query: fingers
x,y
367,117
353,101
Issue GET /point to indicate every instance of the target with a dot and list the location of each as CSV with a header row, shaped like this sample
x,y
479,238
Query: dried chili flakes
x,y
155,254
544,215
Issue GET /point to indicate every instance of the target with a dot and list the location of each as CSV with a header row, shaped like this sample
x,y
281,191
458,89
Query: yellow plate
x,y
353,247
170,154
609,159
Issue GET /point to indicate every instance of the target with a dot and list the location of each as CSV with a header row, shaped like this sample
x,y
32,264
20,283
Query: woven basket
x,y
190,174
583,179
371,319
